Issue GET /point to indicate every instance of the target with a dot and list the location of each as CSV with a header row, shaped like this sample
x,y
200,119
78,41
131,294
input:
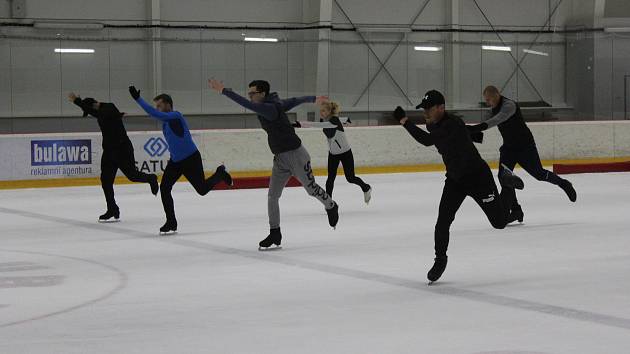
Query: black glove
x,y
477,137
297,124
399,113
477,127
134,92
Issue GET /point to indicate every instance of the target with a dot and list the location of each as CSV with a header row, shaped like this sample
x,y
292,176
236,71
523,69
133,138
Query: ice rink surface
x,y
559,283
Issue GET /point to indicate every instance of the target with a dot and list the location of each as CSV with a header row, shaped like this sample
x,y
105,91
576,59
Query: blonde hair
x,y
491,90
333,107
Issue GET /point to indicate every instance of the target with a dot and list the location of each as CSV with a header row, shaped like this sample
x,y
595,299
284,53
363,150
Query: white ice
x,y
559,283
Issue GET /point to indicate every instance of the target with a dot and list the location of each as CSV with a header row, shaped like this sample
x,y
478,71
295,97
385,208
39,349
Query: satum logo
x,y
155,147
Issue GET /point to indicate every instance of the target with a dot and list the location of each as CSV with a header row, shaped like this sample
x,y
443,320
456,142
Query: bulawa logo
x,y
155,147
61,152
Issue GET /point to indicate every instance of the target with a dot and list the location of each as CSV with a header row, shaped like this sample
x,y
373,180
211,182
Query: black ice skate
x,y
225,176
367,195
169,228
110,216
438,268
274,239
567,187
155,187
509,179
333,215
516,215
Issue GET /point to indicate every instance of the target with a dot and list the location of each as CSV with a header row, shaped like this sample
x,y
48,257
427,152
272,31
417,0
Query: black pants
x,y
112,160
192,168
481,187
347,161
527,157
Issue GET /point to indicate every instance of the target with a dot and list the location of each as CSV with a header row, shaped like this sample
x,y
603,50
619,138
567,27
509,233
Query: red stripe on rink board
x,y
255,182
564,169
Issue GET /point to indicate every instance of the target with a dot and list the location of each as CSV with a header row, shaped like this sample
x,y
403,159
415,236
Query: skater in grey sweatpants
x,y
290,157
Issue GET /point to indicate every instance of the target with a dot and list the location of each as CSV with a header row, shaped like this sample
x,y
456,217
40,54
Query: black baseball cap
x,y
430,99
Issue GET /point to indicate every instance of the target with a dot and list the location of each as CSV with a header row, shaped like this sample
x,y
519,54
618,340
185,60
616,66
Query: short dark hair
x,y
261,86
164,97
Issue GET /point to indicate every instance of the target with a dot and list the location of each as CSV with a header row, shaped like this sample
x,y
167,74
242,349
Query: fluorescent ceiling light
x,y
260,39
536,52
427,49
497,48
617,29
74,51
385,29
69,26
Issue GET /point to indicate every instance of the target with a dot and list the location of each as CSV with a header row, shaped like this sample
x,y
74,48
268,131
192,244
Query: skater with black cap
x,y
467,174
117,151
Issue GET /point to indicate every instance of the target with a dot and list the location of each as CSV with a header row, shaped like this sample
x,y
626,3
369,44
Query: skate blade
x,y
269,249
168,233
108,221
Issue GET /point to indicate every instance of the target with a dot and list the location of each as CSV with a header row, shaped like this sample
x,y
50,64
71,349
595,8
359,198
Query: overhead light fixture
x,y
260,39
73,51
617,29
69,26
529,51
496,48
427,48
384,29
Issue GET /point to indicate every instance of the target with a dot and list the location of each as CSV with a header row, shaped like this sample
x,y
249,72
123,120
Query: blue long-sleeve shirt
x,y
175,130
273,118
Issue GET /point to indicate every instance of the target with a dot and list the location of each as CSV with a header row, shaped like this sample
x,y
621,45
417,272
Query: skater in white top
x,y
339,150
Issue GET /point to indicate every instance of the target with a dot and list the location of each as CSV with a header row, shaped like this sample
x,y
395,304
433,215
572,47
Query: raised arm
x,y
266,110
87,108
293,102
419,134
163,116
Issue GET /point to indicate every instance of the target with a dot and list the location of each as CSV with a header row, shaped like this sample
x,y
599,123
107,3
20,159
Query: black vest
x,y
514,131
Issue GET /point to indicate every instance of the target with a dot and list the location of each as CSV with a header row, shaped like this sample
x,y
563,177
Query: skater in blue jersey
x,y
185,157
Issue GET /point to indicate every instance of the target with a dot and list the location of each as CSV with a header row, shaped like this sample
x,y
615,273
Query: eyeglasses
x,y
250,94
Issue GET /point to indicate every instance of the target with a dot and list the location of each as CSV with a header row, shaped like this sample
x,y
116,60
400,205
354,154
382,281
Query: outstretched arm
x,y
507,110
318,125
266,110
87,108
293,102
419,134
163,116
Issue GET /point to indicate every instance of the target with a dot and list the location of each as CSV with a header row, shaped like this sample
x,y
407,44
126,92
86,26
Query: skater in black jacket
x,y
117,151
518,147
467,174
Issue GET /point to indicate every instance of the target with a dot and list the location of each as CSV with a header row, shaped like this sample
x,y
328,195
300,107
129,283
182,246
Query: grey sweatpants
x,y
292,163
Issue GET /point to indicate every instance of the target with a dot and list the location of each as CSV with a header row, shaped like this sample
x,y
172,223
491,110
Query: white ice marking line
x,y
121,284
472,295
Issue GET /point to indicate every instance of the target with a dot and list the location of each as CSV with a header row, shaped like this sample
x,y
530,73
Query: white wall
x,y
247,150
28,68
